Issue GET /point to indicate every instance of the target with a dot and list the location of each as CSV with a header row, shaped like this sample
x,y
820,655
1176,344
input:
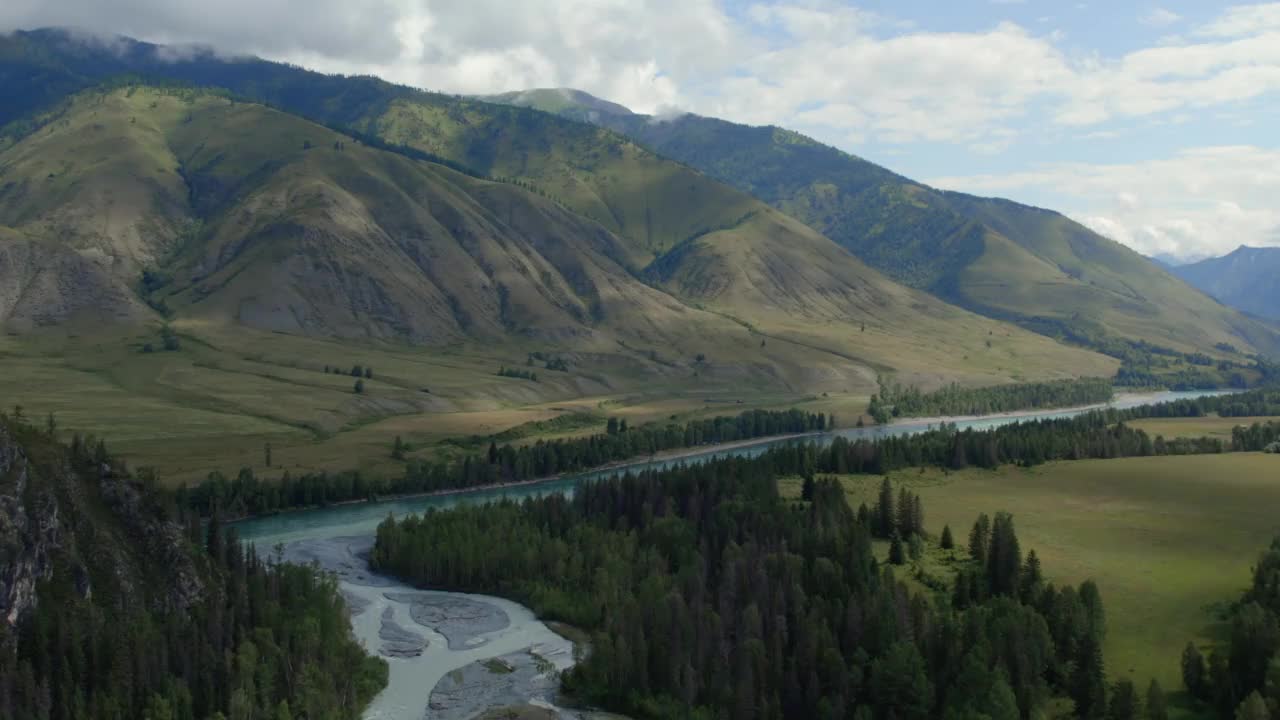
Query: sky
x,y
1156,124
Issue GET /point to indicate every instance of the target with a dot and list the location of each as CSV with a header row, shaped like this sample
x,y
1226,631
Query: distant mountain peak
x,y
561,101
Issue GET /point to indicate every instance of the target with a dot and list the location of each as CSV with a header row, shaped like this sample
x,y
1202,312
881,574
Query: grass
x,y
1170,540
1212,426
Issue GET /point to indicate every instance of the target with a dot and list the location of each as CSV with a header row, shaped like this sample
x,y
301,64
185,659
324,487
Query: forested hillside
x,y
112,609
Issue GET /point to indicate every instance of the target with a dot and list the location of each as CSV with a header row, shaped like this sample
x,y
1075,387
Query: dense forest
x,y
247,494
1241,680
897,400
116,633
1098,434
710,596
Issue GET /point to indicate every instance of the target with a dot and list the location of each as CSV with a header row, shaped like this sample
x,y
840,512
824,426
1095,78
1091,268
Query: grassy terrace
x,y
1168,539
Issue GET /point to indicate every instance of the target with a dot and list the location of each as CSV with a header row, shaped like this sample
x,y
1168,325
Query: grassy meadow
x,y
1169,540
215,403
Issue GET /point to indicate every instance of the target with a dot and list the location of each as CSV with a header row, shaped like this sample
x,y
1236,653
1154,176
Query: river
x,y
436,642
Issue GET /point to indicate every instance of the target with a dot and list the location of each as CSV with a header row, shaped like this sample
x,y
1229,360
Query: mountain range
x,y
1248,279
141,184
995,257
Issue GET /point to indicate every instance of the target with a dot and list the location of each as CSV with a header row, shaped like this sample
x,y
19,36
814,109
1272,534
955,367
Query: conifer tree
x,y
1087,685
1124,701
979,538
896,554
1194,672
885,518
1157,705
946,541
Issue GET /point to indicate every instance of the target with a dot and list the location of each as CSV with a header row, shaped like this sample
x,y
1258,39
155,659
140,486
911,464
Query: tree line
x,y
897,400
1099,434
248,494
1241,678
262,640
707,595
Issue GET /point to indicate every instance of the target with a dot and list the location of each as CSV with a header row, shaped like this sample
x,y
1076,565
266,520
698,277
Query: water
x,y
412,679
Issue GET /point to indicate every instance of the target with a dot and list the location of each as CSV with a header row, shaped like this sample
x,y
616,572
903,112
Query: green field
x,y
1212,426
1168,539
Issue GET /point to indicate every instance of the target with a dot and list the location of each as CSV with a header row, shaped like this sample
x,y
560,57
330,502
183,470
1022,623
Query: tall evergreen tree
x,y
946,542
885,518
979,539
1194,672
1124,703
1087,685
1157,704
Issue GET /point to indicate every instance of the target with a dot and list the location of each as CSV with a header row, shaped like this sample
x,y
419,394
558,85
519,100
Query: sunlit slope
x,y
997,257
262,218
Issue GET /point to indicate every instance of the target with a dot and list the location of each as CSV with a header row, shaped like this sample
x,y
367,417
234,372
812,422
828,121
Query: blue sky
x,y
1152,122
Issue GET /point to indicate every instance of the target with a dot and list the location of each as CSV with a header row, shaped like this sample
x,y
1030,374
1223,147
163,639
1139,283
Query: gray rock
x,y
461,620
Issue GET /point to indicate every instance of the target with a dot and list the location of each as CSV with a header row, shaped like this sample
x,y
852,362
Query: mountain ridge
x,y
990,255
1247,278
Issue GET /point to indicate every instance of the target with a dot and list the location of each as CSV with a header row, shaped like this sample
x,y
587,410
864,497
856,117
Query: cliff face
x,y
30,531
90,530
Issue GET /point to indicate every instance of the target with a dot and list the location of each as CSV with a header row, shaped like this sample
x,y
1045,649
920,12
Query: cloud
x,y
1160,17
822,66
1242,20
1198,202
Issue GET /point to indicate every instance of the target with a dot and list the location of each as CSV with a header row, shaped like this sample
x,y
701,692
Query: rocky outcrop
x,y
31,529
102,530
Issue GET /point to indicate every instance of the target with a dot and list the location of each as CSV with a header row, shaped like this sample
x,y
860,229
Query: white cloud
x,y
1242,20
776,61
1160,17
1199,202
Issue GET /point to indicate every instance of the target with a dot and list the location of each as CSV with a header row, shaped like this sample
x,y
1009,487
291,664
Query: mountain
x,y
567,102
1247,279
992,256
437,220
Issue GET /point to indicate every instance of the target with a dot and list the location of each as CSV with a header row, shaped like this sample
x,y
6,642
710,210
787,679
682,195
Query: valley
x,y
329,397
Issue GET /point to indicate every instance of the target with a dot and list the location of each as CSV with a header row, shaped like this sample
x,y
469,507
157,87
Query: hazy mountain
x,y
1248,279
996,257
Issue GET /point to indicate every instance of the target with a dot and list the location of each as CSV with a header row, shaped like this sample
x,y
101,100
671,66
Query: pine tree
x,y
896,554
1124,701
1004,558
979,538
946,541
1157,705
1194,672
1087,687
1032,579
884,510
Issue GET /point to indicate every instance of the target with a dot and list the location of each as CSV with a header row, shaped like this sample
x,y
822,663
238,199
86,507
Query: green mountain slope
x,y
993,256
1248,278
314,241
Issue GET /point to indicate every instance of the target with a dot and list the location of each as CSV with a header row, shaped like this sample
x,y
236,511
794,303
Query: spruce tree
x,y
1157,705
1194,672
1124,701
947,542
1087,685
896,554
979,537
884,510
